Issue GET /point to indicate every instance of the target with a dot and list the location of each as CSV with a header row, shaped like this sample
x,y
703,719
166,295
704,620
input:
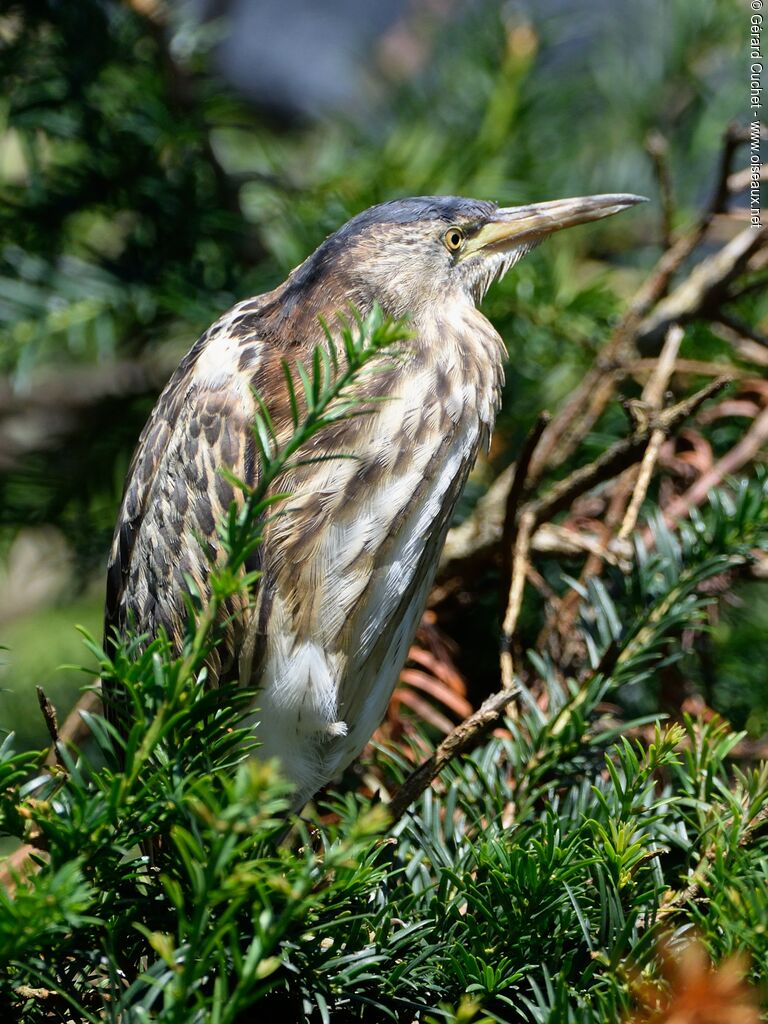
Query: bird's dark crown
x,y
416,209
419,208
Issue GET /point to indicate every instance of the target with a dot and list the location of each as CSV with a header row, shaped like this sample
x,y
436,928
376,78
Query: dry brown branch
x,y
653,395
588,401
515,600
476,541
745,451
584,407
522,480
655,389
704,288
563,623
620,455
51,721
478,537
673,900
694,367
757,284
74,731
628,482
641,485
465,735
744,347
742,329
735,135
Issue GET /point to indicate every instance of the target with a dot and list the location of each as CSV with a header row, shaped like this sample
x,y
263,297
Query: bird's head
x,y
408,254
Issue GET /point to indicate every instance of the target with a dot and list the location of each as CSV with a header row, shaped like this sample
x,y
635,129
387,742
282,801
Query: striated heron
x,y
347,569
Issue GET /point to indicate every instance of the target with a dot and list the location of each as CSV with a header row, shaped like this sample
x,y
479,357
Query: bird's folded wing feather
x,y
174,498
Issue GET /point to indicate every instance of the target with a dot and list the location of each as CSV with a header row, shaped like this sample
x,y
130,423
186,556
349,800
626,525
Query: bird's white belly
x,y
327,676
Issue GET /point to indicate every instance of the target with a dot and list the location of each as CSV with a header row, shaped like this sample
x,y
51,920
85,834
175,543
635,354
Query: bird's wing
x,y
175,493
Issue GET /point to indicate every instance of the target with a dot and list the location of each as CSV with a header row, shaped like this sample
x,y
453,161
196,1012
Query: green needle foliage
x,y
530,885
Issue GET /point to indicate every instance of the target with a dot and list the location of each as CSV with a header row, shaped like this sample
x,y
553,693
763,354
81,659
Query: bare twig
x,y
521,480
735,135
653,395
515,600
683,367
658,382
747,349
641,485
477,540
51,721
588,401
621,454
704,286
673,900
27,992
748,447
463,736
618,511
742,328
582,410
757,284
74,730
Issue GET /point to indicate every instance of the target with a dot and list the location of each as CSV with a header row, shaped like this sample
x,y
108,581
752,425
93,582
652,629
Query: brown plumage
x,y
347,567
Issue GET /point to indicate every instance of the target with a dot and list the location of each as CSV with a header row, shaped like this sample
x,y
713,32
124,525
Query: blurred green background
x,y
160,161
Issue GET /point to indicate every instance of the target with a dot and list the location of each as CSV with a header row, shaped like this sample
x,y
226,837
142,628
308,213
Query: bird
x,y
345,570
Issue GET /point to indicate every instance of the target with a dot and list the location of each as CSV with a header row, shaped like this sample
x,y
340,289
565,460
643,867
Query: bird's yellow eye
x,y
454,239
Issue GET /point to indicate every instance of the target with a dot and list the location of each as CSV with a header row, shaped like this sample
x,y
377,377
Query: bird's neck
x,y
452,335
461,346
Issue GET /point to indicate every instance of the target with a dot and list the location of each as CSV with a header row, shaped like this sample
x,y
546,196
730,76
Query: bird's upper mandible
x,y
347,566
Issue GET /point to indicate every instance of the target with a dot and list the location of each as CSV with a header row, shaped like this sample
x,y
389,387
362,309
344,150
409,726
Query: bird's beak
x,y
517,225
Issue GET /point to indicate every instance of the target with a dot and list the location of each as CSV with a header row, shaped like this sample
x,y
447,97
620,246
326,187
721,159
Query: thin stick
x,y
745,451
655,389
701,292
673,900
654,397
735,135
74,729
515,600
51,721
641,486
620,455
463,736
683,367
588,401
522,480
741,327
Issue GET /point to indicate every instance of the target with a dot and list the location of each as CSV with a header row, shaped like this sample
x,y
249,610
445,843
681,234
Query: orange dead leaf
x,y
692,991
